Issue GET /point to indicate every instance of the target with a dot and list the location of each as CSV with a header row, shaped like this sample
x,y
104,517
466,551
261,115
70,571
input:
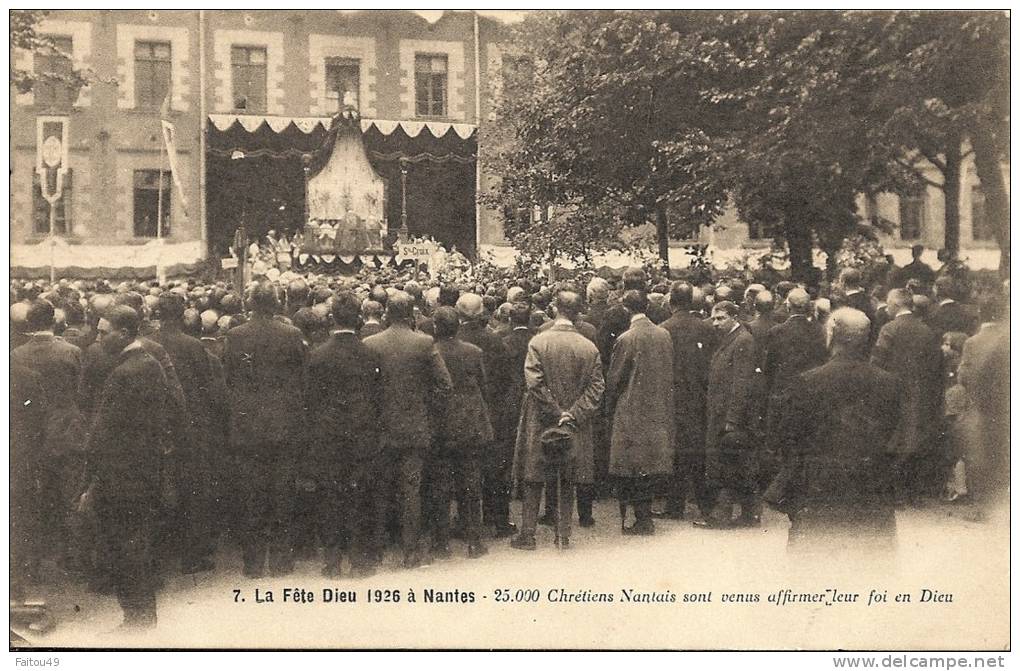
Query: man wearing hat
x,y
496,469
563,377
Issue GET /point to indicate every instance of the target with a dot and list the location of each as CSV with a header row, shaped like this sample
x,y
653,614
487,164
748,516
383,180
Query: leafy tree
x,y
24,24
601,115
941,84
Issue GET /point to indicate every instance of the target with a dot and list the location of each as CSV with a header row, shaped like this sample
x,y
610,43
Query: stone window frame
x,y
80,33
127,36
456,77
362,49
272,41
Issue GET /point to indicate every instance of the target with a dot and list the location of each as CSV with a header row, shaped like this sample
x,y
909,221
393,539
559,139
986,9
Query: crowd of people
x,y
152,425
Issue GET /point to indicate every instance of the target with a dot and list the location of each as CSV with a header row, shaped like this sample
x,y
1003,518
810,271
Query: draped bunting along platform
x,y
256,178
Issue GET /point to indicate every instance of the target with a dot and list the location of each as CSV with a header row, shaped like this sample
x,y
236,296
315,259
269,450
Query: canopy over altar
x,y
340,184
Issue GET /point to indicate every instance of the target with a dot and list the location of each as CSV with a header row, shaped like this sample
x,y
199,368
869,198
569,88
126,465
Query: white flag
x,y
170,139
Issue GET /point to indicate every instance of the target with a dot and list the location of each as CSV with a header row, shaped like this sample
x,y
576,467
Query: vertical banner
x,y
51,160
170,140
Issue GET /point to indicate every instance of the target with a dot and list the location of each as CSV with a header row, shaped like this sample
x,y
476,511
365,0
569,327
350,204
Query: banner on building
x,y
51,157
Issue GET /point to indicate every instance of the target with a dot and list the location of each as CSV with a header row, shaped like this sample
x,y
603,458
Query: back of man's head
x,y
399,307
297,293
379,294
448,295
899,300
171,308
40,315
729,308
799,301
133,300
783,289
124,317
851,278
192,321
263,299
681,296
471,307
308,321
850,329
598,290
372,310
446,322
346,310
520,314
635,301
568,305
763,302
916,251
636,279
946,287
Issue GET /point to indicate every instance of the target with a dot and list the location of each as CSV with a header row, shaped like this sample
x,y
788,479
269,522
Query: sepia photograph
x,y
484,329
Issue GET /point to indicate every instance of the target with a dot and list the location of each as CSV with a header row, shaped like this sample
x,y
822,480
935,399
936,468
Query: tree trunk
x,y
951,189
662,236
986,160
800,245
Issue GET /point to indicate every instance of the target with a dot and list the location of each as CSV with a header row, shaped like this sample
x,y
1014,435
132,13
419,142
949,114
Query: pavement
x,y
683,588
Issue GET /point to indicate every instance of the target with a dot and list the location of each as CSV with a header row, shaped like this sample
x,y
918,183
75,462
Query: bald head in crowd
x,y
598,291
400,307
568,305
763,302
799,301
849,330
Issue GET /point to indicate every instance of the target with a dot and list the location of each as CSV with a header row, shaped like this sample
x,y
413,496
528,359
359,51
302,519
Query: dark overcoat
x,y
413,377
639,389
344,403
59,366
838,452
909,350
693,345
264,364
465,425
729,463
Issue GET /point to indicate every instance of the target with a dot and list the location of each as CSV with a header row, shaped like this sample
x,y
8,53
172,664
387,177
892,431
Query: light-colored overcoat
x,y
562,373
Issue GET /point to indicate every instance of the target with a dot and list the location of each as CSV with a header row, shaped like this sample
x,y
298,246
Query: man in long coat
x,y
639,388
729,462
464,433
693,344
908,349
496,458
193,464
130,432
795,346
263,361
837,460
58,364
563,375
343,397
507,415
414,378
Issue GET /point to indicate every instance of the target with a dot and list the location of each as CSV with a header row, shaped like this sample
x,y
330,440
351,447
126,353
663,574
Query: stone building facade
x,y
392,66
